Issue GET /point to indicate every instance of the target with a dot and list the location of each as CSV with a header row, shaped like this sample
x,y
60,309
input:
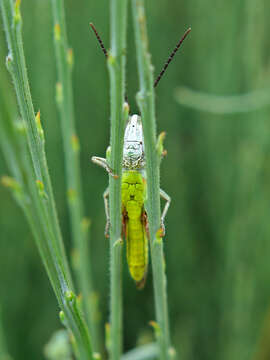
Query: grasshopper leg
x,y
167,198
106,205
103,163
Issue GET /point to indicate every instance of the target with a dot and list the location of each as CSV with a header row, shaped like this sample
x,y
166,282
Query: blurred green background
x,y
217,172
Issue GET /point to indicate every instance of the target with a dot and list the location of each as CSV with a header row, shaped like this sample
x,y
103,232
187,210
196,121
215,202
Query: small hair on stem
x,y
171,57
99,40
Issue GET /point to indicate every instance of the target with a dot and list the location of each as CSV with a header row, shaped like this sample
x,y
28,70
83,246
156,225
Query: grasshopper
x,y
133,188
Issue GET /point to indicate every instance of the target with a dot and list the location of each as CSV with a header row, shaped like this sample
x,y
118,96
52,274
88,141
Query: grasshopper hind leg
x,y
140,284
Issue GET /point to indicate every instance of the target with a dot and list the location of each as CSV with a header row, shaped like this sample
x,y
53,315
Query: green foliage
x,y
34,192
217,173
64,98
147,107
119,115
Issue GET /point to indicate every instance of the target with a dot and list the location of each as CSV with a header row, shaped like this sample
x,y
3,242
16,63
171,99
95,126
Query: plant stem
x,y
146,102
40,210
218,104
116,63
80,233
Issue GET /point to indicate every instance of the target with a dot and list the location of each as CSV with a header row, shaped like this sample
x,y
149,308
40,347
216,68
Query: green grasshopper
x,y
133,189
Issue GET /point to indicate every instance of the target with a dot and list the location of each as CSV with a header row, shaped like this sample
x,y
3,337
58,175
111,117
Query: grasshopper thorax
x,y
133,153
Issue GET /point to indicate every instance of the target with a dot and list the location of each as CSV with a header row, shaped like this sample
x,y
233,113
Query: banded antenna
x,y
102,47
171,57
99,40
167,62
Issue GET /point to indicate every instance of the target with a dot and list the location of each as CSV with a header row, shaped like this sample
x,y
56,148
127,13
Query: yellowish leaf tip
x,y
72,194
41,189
160,142
17,13
57,32
39,127
10,182
38,117
40,185
6,181
108,153
62,316
86,223
59,93
69,295
70,57
160,234
126,108
79,299
75,143
108,335
162,135
111,59
155,326
17,4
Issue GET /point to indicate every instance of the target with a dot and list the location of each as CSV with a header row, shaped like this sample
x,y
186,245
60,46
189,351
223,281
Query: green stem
x,y
116,63
146,103
218,104
81,262
38,201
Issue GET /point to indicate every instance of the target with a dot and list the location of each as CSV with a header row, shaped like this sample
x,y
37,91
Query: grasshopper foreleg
x,y
103,163
106,206
167,198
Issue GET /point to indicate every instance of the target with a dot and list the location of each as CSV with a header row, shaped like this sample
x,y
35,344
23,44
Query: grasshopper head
x,y
133,153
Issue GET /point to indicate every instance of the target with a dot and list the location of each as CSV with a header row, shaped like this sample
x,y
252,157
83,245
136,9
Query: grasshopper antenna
x,y
171,57
102,47
99,40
